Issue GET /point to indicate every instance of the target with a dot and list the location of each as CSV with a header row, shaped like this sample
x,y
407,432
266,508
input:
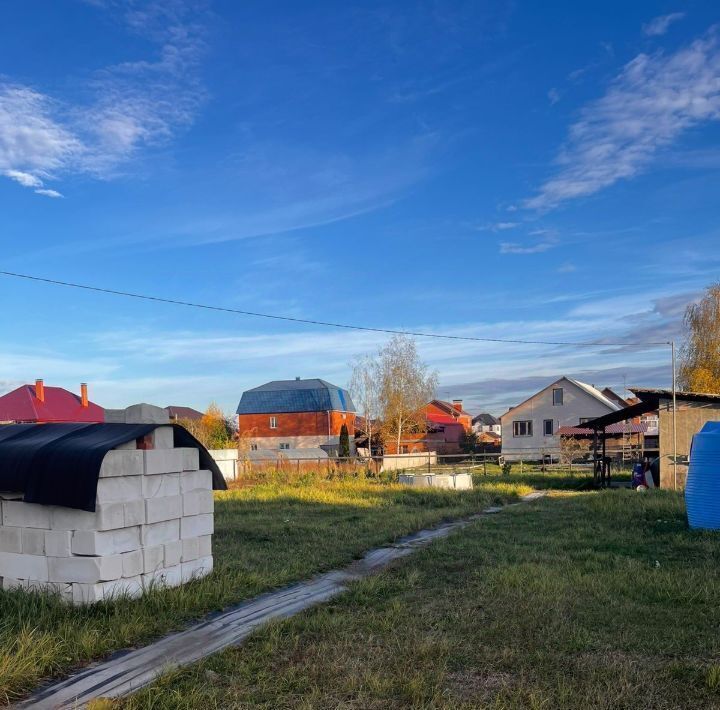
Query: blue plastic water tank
x,y
702,488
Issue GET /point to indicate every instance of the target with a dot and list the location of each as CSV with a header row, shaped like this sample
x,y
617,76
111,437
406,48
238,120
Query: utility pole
x,y
674,414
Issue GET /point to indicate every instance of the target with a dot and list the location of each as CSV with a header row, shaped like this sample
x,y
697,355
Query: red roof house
x,y
41,404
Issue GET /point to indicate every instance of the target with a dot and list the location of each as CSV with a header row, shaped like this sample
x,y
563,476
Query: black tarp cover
x,y
59,464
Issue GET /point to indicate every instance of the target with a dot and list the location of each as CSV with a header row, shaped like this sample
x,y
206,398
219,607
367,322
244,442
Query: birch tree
x,y
700,356
365,389
406,385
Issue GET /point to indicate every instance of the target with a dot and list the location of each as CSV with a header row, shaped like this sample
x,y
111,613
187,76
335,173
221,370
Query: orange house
x,y
445,424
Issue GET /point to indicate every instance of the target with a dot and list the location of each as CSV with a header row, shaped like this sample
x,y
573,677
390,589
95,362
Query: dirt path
x,y
127,671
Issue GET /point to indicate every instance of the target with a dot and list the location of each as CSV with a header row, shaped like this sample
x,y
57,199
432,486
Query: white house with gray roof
x,y
529,430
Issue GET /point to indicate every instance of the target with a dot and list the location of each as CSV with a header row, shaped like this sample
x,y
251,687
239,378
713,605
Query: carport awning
x,y
622,415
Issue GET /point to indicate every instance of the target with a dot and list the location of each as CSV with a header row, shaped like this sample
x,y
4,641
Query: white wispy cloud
x,y
553,96
567,268
132,105
25,179
654,100
498,226
659,25
515,248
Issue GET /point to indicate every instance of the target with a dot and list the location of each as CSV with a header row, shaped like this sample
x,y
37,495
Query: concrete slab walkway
x,y
127,671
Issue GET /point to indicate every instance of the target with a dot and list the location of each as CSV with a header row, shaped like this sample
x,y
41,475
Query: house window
x,y
253,447
284,446
585,420
523,428
558,396
273,422
548,427
403,449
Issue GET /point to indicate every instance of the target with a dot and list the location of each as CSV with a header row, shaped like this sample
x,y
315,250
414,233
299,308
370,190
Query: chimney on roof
x,y
297,378
40,390
457,404
83,394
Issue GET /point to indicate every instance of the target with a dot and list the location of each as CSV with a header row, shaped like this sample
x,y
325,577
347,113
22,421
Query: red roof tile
x,y
59,405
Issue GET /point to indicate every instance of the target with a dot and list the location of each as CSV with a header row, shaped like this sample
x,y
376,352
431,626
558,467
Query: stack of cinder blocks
x,y
153,525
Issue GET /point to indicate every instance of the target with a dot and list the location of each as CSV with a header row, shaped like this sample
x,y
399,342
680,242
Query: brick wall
x,y
297,424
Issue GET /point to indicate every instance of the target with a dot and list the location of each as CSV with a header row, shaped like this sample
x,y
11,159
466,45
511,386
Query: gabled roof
x,y
448,407
595,392
183,413
282,396
59,405
486,419
615,397
442,419
589,389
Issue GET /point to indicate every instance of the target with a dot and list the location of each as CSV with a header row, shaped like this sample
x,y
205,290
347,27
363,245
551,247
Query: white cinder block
x,y
10,540
108,542
191,459
132,563
196,525
17,513
158,509
197,568
192,480
163,438
122,462
33,541
107,516
145,414
197,502
153,558
106,591
21,566
58,543
119,488
164,484
205,546
163,461
166,577
160,533
173,553
88,570
134,512
190,549
110,516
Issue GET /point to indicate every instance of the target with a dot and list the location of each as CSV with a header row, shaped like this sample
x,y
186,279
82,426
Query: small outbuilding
x,y
675,429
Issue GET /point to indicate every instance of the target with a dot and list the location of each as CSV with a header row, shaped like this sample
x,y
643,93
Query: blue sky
x,y
492,169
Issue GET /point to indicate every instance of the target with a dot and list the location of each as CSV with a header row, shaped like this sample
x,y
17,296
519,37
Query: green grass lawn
x,y
266,536
598,600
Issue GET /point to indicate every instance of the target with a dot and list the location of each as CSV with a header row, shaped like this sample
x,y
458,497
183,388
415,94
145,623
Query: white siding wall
x,y
577,403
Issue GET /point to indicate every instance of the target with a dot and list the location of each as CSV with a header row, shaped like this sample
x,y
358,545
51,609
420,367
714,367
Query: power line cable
x,y
307,321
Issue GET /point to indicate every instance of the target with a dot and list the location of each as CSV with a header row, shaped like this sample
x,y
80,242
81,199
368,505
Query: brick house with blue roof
x,y
296,414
